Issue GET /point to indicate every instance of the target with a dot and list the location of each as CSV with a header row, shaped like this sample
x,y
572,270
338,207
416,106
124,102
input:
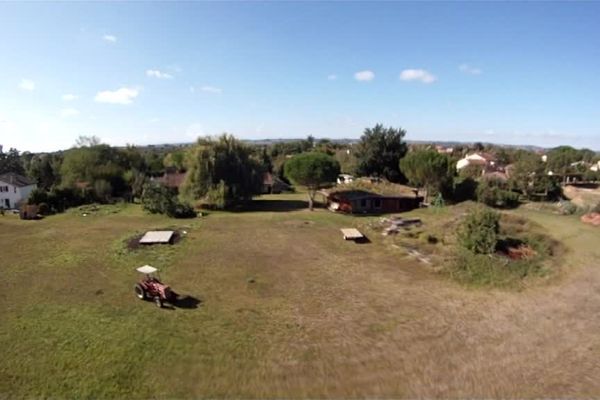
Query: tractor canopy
x,y
147,269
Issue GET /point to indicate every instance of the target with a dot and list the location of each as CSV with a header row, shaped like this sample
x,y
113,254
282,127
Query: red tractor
x,y
151,288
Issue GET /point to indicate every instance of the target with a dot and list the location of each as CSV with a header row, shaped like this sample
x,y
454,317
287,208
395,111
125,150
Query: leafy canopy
x,y
226,160
311,170
479,231
379,152
427,168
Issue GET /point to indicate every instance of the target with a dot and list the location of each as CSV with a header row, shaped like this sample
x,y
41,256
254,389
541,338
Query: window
x,y
363,203
377,203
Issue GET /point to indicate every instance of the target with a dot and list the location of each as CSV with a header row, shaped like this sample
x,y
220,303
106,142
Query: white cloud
x,y
154,73
417,75
332,77
468,69
211,89
109,38
364,76
27,84
68,112
69,97
123,95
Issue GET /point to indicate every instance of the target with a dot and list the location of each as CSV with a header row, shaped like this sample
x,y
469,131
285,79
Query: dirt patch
x,y
583,197
133,243
591,218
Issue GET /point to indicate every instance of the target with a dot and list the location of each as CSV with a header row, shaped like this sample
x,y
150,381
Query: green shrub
x,y
465,188
490,270
217,196
181,210
567,208
492,192
43,208
479,231
158,199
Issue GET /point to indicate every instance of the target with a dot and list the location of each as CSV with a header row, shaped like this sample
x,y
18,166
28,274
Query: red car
x,y
151,288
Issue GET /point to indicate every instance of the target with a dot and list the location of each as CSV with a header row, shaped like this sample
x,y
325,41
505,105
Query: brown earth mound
x,y
591,218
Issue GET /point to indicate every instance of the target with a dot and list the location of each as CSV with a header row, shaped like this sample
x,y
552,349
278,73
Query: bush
x,y
217,196
181,210
567,208
102,190
485,270
479,231
156,198
43,208
491,192
464,189
159,199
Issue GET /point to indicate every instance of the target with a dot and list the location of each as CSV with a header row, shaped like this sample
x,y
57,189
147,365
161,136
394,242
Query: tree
x,y
87,141
225,159
175,160
494,193
11,162
159,199
428,169
560,159
136,180
379,152
529,177
102,190
478,233
44,170
311,170
472,171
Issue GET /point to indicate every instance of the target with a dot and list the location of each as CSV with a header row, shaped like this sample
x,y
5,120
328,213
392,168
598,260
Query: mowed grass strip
x,y
286,308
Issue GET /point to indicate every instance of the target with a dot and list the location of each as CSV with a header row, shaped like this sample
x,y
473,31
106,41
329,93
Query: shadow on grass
x,y
272,206
362,240
184,302
187,302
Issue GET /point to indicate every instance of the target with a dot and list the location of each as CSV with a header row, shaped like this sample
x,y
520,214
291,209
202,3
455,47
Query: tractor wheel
x,y
140,292
158,301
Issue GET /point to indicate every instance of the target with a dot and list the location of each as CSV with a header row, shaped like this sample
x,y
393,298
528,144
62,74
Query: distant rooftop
x,y
15,179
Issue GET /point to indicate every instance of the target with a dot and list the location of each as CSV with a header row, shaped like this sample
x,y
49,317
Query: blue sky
x,y
142,73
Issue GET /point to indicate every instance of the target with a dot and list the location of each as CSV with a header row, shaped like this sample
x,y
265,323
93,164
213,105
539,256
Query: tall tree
x,y
379,152
11,162
312,170
225,159
428,169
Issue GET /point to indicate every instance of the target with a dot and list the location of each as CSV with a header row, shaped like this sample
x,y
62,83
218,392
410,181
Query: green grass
x,y
287,308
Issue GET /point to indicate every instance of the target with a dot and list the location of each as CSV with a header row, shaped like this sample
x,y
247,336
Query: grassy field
x,y
281,306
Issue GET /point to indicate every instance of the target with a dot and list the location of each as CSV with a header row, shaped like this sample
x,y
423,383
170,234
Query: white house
x,y
14,189
595,167
482,159
345,178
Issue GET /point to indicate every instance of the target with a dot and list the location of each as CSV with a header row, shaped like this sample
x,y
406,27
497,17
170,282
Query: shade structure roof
x,y
157,237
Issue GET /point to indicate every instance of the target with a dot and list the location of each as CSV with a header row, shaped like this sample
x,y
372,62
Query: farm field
x,y
280,306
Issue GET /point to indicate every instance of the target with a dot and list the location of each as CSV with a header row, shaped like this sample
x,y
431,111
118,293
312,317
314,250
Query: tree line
x,y
224,171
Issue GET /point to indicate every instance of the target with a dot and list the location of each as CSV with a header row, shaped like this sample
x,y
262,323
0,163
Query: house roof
x,y
15,179
487,156
172,179
350,195
496,175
